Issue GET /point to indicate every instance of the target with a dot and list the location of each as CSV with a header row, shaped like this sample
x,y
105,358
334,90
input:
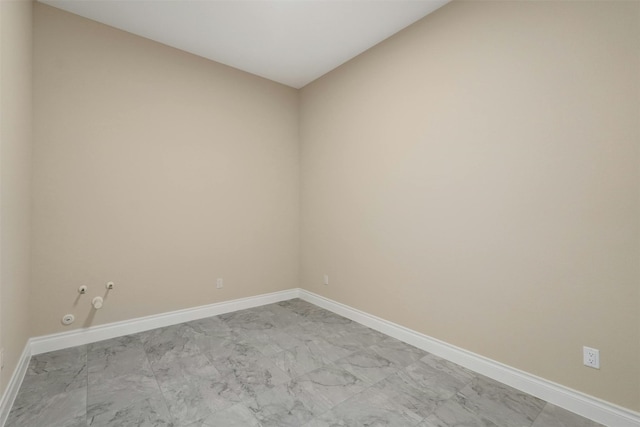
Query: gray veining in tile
x,y
407,394
369,408
499,403
192,387
284,315
368,366
458,372
197,398
116,357
360,335
61,360
150,412
331,383
172,369
210,326
553,416
253,320
436,379
452,413
270,341
170,342
236,416
421,386
310,331
108,394
284,364
54,390
62,410
347,341
299,360
327,318
286,405
251,377
400,353
55,372
226,354
300,307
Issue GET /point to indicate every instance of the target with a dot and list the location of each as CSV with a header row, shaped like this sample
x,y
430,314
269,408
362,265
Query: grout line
x,y
555,394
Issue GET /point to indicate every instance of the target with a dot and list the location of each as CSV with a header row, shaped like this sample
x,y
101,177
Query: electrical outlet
x,y
326,279
591,357
219,283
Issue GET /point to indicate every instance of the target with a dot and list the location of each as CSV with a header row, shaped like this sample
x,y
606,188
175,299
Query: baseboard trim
x,y
43,344
582,404
92,334
10,393
588,406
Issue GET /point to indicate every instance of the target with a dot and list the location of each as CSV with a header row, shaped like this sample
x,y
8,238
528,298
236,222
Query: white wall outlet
x,y
326,279
591,357
219,283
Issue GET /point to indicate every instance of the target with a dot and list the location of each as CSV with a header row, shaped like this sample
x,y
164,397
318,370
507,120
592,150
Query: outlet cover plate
x,y
591,357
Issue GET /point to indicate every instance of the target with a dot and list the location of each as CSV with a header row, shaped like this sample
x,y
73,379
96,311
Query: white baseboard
x,y
43,344
9,396
582,404
76,337
588,406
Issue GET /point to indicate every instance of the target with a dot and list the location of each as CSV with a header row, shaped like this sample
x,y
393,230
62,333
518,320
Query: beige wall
x,y
15,178
158,170
476,178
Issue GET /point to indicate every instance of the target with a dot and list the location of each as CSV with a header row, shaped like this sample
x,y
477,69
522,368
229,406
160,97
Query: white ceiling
x,y
289,41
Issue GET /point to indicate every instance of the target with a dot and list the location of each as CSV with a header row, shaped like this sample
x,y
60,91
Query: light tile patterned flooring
x,y
285,364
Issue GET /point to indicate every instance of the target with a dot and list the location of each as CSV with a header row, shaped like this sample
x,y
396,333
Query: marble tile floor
x,y
286,364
